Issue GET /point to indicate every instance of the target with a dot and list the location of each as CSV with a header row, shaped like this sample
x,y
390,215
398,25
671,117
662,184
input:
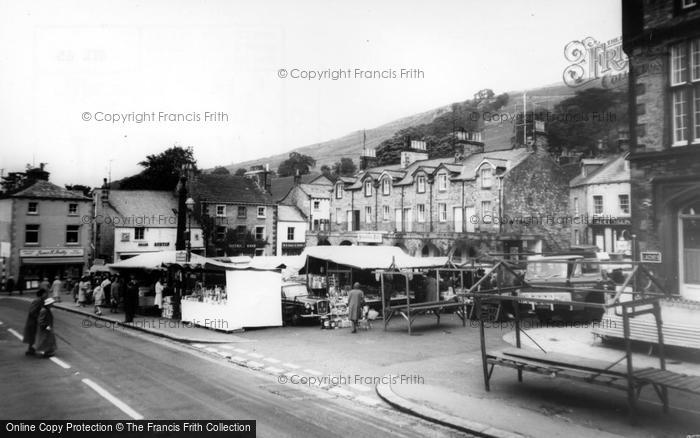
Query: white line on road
x,y
239,359
112,399
271,360
313,372
367,400
198,345
59,362
240,350
253,364
341,392
17,335
291,366
274,370
255,355
360,387
228,347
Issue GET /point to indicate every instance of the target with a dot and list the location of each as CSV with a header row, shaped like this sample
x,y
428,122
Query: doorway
x,y
689,251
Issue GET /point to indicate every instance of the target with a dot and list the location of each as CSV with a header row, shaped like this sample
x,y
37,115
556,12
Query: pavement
x,y
436,374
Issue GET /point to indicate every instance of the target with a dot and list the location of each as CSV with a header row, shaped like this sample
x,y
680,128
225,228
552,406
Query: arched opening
x,y
429,250
462,251
346,243
324,242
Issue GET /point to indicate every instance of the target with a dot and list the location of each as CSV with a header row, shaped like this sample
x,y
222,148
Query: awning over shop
x,y
372,257
163,259
53,260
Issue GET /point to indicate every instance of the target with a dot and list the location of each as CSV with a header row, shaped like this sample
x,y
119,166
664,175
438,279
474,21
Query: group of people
x,y
38,330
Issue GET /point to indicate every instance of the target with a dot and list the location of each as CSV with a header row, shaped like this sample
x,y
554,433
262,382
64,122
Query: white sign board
x,y
650,257
52,252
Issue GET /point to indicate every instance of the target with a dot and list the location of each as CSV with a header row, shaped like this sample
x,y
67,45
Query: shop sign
x,y
610,220
369,237
650,257
243,245
293,245
52,252
181,257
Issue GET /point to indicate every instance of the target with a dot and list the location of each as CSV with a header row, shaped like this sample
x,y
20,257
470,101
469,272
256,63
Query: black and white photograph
x,y
449,218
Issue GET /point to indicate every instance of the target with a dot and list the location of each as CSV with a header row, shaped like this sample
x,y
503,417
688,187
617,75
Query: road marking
x,y
223,354
17,335
341,392
274,370
240,350
239,359
198,345
211,350
228,347
313,372
360,387
59,362
255,355
291,366
112,399
271,360
291,374
253,364
367,400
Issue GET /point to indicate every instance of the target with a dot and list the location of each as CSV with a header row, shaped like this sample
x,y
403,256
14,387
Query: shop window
x,y
597,204
242,212
259,233
31,234
72,209
625,204
442,212
420,183
33,208
262,212
73,234
290,233
139,233
220,210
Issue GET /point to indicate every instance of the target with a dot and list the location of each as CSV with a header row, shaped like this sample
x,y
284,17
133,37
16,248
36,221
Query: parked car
x,y
298,305
564,277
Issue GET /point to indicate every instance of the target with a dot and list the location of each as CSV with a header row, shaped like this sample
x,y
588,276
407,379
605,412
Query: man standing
x,y
44,284
107,289
32,320
46,340
131,300
56,287
10,285
356,299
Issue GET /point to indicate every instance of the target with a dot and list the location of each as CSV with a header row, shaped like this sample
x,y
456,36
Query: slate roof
x,y
156,208
507,157
229,189
289,213
281,186
614,171
316,191
46,190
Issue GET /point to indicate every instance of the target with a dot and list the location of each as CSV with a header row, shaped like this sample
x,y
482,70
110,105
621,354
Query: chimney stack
x,y
368,158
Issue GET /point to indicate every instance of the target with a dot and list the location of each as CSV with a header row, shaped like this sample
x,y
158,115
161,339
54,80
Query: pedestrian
x,y
83,288
56,287
115,294
76,290
107,288
431,289
46,340
159,294
20,284
44,284
98,297
356,299
30,327
10,285
131,300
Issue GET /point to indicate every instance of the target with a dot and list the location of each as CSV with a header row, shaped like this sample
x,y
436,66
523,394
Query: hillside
x,y
497,134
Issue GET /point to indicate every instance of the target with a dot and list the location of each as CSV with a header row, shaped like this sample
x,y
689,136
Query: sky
x,y
92,87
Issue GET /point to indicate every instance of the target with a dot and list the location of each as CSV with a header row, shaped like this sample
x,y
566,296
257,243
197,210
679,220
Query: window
x,y
597,204
685,4
386,213
290,233
386,186
220,233
259,233
338,216
421,212
220,210
368,187
139,233
625,204
486,178
259,252
368,215
241,232
442,212
442,182
242,212
72,209
262,212
338,191
317,205
420,183
685,92
577,238
576,211
31,234
486,213
33,208
73,234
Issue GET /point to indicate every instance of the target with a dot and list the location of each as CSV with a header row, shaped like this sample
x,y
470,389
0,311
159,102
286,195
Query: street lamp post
x,y
190,206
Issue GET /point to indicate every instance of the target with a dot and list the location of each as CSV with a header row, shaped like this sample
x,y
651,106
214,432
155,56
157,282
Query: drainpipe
x,y
431,206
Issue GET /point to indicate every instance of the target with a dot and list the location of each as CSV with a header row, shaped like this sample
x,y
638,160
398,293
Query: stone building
x,y
600,198
512,200
662,41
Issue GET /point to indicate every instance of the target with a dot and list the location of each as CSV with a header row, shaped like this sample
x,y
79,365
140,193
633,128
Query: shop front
x,y
39,263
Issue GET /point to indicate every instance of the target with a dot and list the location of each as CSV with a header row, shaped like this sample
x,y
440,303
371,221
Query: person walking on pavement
x,y
159,294
131,300
10,285
115,294
83,290
98,297
20,284
30,327
356,299
46,340
56,287
107,288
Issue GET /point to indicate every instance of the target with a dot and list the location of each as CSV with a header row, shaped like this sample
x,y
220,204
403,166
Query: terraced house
x,y
508,200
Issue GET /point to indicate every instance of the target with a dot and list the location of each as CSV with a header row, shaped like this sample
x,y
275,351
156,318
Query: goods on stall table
x,y
167,309
215,295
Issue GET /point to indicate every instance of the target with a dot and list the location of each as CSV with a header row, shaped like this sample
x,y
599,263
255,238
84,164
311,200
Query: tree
x,y
161,171
327,171
85,190
220,170
296,162
240,171
344,167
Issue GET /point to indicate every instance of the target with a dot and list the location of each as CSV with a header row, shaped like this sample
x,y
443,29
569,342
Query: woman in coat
x,y
30,327
356,299
99,297
83,288
46,340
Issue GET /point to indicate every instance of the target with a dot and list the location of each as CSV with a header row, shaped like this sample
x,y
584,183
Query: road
x,y
118,374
